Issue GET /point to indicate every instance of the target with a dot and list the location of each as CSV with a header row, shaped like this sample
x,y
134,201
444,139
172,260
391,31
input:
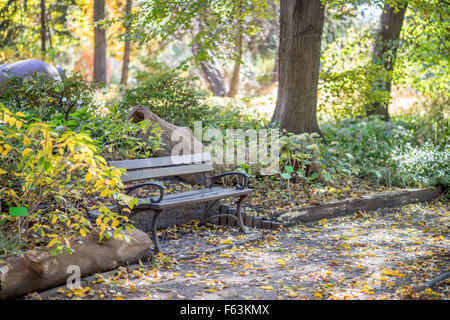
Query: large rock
x,y
38,270
28,67
174,140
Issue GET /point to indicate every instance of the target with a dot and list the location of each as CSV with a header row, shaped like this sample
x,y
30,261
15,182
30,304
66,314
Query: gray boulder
x,y
28,67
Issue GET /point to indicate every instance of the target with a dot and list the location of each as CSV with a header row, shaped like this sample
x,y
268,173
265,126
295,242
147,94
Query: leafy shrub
x,y
299,154
46,98
57,176
173,98
385,152
115,137
424,165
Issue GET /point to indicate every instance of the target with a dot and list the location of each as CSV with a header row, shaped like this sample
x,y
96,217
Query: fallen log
x,y
174,141
434,281
37,270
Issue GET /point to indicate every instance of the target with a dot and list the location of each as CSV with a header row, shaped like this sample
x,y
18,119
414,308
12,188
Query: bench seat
x,y
163,167
190,197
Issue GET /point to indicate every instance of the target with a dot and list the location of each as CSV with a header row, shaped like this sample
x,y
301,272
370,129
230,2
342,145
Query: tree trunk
x,y
212,75
301,25
99,43
237,61
43,29
384,54
126,51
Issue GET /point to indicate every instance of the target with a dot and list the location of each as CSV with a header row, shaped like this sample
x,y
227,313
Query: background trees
x,y
100,42
301,26
368,52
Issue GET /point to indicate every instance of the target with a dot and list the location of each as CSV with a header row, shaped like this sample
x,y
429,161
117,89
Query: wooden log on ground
x,y
38,270
175,141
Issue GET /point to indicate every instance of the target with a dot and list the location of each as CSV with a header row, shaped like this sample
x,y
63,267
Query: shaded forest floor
x,y
378,255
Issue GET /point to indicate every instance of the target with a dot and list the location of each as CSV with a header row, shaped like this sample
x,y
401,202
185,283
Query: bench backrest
x,y
164,166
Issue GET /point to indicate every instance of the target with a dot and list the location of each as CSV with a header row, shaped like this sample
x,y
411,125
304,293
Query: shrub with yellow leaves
x,y
58,177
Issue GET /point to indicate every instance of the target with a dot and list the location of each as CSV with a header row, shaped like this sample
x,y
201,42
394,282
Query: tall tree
x,y
126,51
301,26
384,55
99,42
237,60
43,28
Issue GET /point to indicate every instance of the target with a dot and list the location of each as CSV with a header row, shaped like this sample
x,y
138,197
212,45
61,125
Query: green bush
x,y
115,137
173,98
58,177
386,152
423,165
46,98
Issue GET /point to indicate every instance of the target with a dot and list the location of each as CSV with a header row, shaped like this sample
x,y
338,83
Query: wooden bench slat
x,y
200,197
162,161
165,172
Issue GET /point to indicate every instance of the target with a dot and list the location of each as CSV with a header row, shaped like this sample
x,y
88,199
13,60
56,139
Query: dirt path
x,y
380,255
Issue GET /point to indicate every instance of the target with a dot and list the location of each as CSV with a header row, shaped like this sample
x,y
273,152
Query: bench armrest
x,y
238,186
153,184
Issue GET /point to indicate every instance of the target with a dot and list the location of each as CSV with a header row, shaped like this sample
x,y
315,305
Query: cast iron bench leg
x,y
154,231
239,214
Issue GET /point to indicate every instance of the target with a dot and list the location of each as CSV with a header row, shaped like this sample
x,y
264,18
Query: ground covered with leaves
x,y
385,254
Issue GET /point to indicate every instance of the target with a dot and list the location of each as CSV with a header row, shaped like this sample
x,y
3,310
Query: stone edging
x,y
354,205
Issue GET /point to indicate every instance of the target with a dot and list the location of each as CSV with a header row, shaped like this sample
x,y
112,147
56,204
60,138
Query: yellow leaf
x,y
292,294
115,223
88,176
26,151
137,273
54,219
318,295
83,233
280,262
226,241
53,242
267,288
26,140
2,171
104,193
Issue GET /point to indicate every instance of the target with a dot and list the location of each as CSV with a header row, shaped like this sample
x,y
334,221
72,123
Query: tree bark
x,y
99,43
301,26
126,51
212,75
43,28
237,61
384,55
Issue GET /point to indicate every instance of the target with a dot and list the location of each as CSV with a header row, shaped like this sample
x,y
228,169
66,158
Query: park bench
x,y
173,166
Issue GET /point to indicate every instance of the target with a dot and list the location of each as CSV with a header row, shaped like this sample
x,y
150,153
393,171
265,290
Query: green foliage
x,y
56,176
347,75
386,152
424,56
171,97
115,137
423,165
211,26
69,105
368,145
177,100
46,98
299,153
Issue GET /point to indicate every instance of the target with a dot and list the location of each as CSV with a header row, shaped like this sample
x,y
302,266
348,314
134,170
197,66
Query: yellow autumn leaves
x,y
62,168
